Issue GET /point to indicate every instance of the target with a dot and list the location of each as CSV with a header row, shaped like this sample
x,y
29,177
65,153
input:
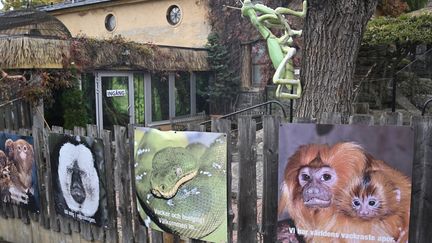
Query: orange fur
x,y
394,192
350,162
347,159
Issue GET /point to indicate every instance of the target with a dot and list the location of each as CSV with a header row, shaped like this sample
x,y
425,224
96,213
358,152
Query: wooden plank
x,y
156,236
2,118
131,170
97,232
111,234
17,115
8,117
391,118
38,126
271,166
224,126
421,210
123,181
247,204
54,218
361,119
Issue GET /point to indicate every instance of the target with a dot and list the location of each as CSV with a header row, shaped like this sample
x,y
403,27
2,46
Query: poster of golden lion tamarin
x,y
344,183
18,172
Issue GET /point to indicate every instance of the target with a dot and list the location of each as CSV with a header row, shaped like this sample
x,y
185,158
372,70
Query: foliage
x,y
402,30
225,84
416,4
39,84
72,102
392,7
17,4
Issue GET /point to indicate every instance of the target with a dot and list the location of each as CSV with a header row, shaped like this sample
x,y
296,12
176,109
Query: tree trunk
x,y
333,32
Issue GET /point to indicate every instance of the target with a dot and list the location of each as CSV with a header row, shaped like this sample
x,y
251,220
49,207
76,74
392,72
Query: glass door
x,y
114,92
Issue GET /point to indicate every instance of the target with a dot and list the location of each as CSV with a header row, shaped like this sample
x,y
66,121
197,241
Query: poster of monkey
x,y
18,172
344,183
181,182
78,177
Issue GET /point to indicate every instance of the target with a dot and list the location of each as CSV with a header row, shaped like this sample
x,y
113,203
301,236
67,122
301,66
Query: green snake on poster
x,y
184,191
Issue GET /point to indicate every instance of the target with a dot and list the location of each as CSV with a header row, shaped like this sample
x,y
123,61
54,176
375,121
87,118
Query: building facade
x,y
127,92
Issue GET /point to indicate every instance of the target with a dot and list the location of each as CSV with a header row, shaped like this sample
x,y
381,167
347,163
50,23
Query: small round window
x,y
110,22
174,15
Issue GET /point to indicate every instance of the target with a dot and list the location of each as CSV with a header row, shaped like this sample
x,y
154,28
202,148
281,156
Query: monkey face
x,y
317,185
366,207
77,187
22,150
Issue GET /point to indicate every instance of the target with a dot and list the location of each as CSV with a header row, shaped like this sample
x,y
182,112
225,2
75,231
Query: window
x,y
139,98
182,93
110,22
174,15
258,62
160,97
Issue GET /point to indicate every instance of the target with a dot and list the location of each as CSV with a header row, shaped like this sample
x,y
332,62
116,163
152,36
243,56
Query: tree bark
x,y
332,34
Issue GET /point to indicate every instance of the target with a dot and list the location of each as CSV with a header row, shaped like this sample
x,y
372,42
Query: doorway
x,y
114,99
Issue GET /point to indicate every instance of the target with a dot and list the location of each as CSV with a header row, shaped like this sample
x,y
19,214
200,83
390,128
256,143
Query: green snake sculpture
x,y
184,190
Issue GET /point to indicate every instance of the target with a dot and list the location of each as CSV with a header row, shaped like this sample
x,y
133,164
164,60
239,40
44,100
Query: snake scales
x,y
181,186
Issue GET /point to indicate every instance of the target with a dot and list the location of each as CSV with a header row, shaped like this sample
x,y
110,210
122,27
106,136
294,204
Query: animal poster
x,y
344,183
18,172
181,182
78,175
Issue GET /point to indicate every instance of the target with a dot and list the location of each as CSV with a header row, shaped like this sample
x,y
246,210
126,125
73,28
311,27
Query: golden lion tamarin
x,y
334,189
376,203
310,179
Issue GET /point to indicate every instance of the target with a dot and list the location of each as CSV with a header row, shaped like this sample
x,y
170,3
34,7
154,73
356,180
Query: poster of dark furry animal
x,y
78,174
18,172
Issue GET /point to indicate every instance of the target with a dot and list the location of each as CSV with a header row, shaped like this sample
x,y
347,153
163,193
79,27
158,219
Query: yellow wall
x,y
141,21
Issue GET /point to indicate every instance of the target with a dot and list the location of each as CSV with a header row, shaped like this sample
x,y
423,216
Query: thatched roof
x,y
21,52
30,52
118,54
30,22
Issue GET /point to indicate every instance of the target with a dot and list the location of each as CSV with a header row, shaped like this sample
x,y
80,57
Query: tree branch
x,y
4,75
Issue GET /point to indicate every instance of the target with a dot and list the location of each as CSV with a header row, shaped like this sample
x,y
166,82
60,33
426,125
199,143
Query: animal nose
x,y
313,190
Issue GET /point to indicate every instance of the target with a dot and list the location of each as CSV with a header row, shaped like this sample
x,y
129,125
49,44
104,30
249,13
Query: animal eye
x,y
25,148
326,177
19,147
372,203
305,177
356,203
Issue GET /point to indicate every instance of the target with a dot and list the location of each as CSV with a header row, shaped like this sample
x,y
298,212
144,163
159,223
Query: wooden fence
x,y
18,225
15,114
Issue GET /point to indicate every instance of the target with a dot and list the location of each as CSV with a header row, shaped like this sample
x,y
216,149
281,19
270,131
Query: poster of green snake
x,y
181,182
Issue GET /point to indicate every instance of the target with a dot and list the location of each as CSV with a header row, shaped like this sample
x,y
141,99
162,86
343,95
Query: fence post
x,y
247,203
224,126
361,119
123,181
38,126
421,196
270,185
111,234
391,118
